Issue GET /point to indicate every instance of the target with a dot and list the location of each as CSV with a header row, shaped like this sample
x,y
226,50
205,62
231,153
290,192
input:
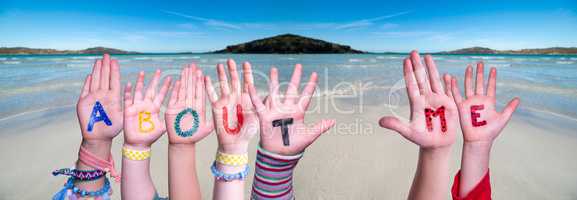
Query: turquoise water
x,y
547,85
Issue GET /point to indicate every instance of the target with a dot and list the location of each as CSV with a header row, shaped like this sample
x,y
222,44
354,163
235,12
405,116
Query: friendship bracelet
x,y
219,175
81,175
69,185
135,154
273,175
231,159
91,160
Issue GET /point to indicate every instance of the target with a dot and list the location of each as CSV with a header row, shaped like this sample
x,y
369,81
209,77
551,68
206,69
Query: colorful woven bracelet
x,y
69,185
228,177
80,175
273,175
231,159
135,154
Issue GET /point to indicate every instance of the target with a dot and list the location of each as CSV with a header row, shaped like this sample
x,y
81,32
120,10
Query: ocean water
x,y
546,84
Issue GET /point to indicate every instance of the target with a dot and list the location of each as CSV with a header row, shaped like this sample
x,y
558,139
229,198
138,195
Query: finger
x,y
492,84
95,84
433,74
274,87
420,73
255,99
455,91
234,76
247,76
86,86
202,95
191,85
199,90
174,94
159,98
212,96
224,88
128,94
447,80
139,87
479,86
510,109
410,82
151,89
323,126
266,101
469,81
395,124
115,76
183,82
308,92
293,87
105,73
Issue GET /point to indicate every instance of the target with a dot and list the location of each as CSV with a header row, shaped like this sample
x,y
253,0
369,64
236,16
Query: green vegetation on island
x,y
288,44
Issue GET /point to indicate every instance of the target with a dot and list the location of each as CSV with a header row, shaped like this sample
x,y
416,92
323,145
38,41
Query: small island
x,y
289,44
543,51
33,51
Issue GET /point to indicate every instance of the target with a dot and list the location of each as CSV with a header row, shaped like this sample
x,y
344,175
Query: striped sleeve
x,y
273,175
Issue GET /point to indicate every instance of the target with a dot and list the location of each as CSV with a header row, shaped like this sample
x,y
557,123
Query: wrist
x,y
241,148
99,148
436,151
181,147
136,147
476,152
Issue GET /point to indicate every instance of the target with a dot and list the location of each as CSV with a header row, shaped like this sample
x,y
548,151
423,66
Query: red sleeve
x,y
481,192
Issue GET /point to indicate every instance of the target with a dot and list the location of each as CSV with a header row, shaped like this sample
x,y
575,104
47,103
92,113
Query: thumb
x,y
510,109
395,124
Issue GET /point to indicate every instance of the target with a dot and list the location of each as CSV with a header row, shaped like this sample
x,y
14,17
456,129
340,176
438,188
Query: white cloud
x,y
389,26
368,22
209,22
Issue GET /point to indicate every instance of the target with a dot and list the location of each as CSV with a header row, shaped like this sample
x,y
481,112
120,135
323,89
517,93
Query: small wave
x,y
11,62
76,65
352,60
565,62
39,88
35,111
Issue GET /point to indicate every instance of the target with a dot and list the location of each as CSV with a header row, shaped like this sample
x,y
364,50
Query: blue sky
x,y
198,26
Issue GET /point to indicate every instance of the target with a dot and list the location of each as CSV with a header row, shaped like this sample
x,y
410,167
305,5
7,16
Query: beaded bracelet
x,y
231,159
228,177
135,154
69,185
81,175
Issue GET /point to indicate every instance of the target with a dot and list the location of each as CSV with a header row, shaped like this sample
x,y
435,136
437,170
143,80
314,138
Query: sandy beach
x,y
528,162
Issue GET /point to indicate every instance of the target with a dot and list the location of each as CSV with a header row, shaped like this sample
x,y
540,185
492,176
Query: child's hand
x,y
102,86
142,125
234,117
480,121
287,114
434,115
187,104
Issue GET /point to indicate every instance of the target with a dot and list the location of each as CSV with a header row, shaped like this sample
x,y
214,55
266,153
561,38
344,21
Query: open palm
x,y
294,106
426,94
235,137
142,125
102,86
187,98
480,120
